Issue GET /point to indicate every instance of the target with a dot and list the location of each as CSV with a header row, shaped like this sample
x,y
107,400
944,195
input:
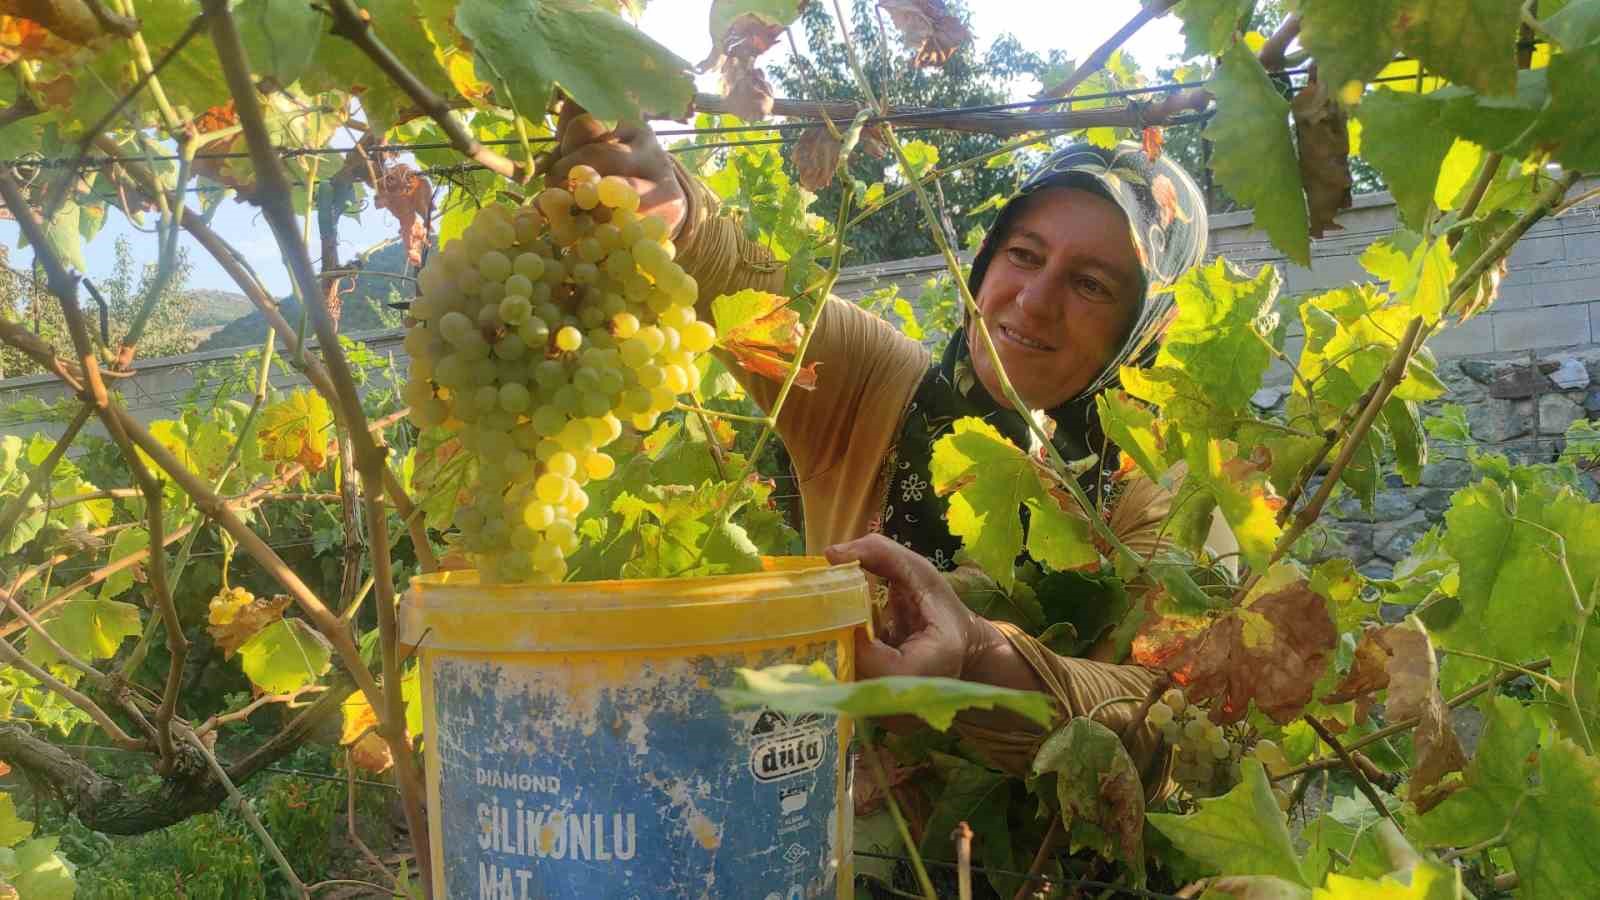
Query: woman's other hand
x,y
928,630
631,151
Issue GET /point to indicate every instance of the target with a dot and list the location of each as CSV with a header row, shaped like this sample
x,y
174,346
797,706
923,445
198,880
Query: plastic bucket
x,y
576,747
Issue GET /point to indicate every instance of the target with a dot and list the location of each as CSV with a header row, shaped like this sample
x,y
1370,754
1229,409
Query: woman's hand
x,y
631,151
928,631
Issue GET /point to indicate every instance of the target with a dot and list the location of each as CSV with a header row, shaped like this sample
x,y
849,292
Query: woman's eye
x,y
1023,257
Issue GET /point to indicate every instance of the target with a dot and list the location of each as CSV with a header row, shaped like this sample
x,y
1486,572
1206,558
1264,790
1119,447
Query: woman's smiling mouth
x,y
1022,340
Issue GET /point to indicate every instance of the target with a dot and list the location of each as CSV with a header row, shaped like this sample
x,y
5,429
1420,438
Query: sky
x,y
680,25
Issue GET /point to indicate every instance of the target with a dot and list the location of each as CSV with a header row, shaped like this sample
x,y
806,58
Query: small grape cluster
x,y
1207,757
533,337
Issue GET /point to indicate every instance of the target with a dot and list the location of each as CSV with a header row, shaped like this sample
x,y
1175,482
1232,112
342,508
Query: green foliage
x,y
1255,154
1240,833
813,689
285,656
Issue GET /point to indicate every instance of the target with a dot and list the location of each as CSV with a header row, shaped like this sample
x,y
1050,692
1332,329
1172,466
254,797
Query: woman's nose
x,y
1037,300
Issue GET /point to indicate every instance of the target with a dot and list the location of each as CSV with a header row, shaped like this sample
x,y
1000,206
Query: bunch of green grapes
x,y
1207,757
534,337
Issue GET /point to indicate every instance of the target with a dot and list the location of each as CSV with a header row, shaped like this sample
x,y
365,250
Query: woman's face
x,y
1060,293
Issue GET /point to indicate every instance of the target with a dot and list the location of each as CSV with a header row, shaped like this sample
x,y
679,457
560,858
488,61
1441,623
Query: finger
x,y
581,131
569,110
874,658
607,159
897,564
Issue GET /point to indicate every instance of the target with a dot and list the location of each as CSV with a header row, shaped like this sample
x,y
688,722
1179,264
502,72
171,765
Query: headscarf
x,y
1167,223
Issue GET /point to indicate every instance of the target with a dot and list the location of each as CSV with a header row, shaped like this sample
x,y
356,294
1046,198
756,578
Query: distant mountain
x,y
363,307
213,308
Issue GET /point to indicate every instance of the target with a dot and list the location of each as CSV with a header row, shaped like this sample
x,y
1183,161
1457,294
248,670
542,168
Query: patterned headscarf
x,y
1167,224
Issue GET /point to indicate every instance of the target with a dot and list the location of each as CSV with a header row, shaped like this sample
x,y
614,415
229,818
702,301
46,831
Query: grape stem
x,y
1405,724
1360,775
876,766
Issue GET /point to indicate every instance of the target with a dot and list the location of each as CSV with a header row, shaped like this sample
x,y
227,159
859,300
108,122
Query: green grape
x,y
529,266
551,487
1175,699
675,379
586,196
1160,714
1171,732
494,266
1221,749
563,464
569,338
429,412
513,397
654,229
1195,729
599,466
457,329
698,337
549,420
617,193
650,376
510,348
538,515
550,373
567,398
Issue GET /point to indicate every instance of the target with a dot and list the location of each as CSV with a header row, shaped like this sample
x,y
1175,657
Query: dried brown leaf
x,y
1271,650
928,28
408,196
816,156
747,89
1322,135
1153,139
235,616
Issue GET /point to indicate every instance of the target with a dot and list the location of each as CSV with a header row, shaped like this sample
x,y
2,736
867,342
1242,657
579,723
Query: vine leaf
x,y
38,872
285,656
1096,782
796,689
298,429
989,480
281,38
1515,601
745,29
1213,356
976,795
89,630
1133,429
412,39
13,828
128,542
928,27
816,157
1400,658
1494,783
1469,42
1322,138
609,67
1272,650
1551,839
234,616
1210,25
760,329
408,196
1402,136
1243,493
748,91
359,732
1255,157
1242,832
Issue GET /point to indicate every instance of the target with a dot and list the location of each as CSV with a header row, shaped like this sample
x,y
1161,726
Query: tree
x,y
167,332
968,79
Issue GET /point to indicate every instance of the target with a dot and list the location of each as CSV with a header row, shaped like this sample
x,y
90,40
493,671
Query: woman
x,y
1067,281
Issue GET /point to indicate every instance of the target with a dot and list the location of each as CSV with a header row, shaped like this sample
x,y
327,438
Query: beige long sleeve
x,y
839,433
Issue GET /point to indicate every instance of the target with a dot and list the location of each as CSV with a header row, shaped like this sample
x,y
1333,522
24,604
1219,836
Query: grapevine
x,y
533,336
551,340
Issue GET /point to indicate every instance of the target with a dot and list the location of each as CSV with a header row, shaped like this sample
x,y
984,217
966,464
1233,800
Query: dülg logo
x,y
782,747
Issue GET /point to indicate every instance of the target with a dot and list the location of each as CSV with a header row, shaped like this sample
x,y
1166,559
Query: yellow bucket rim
x,y
791,598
